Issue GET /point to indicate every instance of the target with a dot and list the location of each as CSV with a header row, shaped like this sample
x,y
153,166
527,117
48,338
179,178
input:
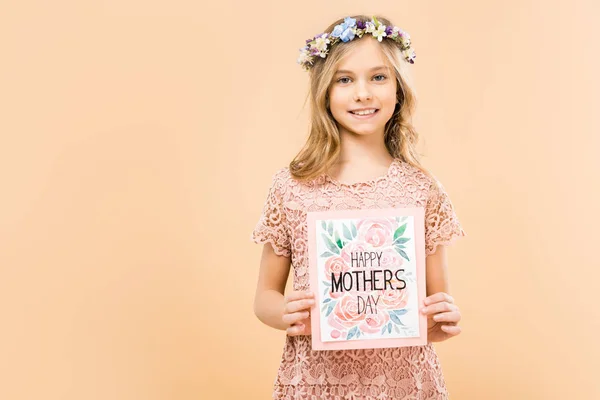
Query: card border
x,y
419,222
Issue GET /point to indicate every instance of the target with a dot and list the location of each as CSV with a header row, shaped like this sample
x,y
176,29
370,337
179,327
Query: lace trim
x,y
446,242
371,182
261,239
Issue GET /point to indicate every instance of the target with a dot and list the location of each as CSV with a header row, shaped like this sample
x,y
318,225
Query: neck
x,y
367,149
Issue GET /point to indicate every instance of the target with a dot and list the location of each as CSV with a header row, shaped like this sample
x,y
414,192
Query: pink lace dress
x,y
388,373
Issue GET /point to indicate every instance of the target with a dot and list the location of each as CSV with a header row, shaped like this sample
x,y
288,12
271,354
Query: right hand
x,y
296,312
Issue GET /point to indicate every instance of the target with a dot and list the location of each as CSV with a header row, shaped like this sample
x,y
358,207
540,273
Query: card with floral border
x,y
367,270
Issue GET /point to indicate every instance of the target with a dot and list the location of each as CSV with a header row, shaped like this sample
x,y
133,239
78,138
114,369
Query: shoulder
x,y
281,177
411,174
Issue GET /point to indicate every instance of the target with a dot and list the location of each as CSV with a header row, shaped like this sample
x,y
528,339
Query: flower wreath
x,y
347,31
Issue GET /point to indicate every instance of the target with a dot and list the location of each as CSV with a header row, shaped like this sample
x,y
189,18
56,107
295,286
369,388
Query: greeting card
x,y
367,270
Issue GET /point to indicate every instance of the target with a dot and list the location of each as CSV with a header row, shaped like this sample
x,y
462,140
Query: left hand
x,y
442,317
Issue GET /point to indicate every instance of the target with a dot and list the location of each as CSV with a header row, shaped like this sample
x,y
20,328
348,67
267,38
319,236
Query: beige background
x,y
138,143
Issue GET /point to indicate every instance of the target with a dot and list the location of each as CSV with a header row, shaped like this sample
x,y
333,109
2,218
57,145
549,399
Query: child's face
x,y
363,87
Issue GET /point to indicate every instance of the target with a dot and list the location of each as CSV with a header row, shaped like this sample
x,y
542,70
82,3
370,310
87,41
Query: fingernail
x,y
436,317
424,309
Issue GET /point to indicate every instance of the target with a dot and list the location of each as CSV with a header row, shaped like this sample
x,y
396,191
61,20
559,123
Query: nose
x,y
361,92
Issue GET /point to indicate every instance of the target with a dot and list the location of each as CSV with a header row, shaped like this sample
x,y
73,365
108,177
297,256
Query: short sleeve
x,y
272,225
441,222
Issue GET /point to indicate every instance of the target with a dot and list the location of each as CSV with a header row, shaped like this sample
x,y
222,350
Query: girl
x,y
360,153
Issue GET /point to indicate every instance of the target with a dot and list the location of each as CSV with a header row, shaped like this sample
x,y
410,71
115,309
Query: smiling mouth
x,y
364,113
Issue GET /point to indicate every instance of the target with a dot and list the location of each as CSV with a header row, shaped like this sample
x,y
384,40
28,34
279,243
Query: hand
x,y
296,312
442,317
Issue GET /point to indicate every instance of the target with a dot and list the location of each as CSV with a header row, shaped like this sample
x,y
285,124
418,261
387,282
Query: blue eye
x,y
376,76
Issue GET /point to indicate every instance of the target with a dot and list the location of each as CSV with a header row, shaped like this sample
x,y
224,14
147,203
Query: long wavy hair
x,y
322,148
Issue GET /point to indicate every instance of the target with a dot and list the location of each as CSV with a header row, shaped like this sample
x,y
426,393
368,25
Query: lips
x,y
363,110
365,116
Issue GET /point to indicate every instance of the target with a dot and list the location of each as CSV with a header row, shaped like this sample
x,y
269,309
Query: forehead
x,y
363,57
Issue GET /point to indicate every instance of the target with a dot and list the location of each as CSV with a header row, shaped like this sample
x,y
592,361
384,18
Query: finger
x,y
437,297
451,330
439,307
298,305
298,295
294,330
451,316
292,318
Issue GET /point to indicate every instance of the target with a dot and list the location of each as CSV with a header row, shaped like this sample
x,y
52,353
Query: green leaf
x,y
401,240
327,254
337,239
384,329
395,318
324,225
347,233
353,227
399,248
352,333
390,327
403,254
332,247
330,228
330,309
326,283
326,301
399,232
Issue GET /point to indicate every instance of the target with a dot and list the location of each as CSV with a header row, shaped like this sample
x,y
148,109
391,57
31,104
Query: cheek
x,y
337,105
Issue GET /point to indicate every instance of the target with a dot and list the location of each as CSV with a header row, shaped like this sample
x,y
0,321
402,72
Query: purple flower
x,y
388,30
360,24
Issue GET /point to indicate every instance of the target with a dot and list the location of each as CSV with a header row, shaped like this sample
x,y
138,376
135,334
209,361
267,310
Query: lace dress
x,y
387,373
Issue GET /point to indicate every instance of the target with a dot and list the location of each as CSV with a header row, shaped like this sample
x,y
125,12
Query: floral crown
x,y
347,31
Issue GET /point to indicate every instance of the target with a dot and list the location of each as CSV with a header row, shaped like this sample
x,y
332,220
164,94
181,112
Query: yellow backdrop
x,y
138,143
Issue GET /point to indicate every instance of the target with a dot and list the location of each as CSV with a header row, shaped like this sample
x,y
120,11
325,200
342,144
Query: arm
x,y
272,277
436,270
442,314
289,313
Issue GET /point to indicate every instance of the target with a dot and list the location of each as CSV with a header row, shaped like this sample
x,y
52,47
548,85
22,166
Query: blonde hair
x,y
322,148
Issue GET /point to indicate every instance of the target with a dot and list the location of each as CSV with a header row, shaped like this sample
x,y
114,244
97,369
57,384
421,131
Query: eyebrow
x,y
345,71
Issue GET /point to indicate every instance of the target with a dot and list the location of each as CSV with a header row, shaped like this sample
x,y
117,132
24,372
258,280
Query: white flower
x,y
380,32
370,27
304,57
321,42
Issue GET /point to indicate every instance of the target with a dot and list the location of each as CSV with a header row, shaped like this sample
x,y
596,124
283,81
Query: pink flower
x,y
335,265
377,232
394,299
374,322
345,313
353,248
390,258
